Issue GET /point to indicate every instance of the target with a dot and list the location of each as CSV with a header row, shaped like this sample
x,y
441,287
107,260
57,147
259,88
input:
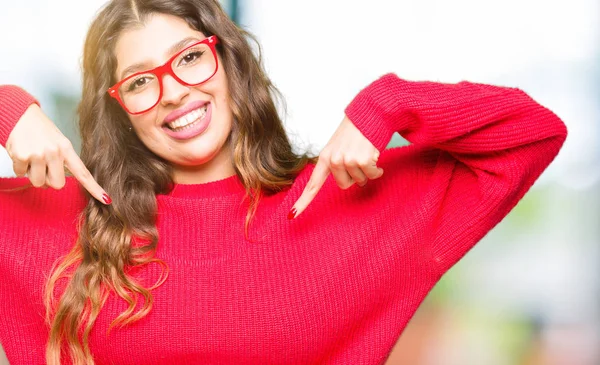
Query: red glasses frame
x,y
166,68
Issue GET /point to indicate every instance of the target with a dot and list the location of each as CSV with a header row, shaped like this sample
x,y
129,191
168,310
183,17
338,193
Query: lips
x,y
176,114
188,119
194,129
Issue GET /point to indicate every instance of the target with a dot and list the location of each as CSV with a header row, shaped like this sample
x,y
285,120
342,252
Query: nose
x,y
173,91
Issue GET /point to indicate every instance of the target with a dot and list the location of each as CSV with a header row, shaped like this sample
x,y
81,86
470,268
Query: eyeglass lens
x,y
193,66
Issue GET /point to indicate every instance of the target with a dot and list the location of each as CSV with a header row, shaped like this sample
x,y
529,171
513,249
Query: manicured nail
x,y
106,198
292,213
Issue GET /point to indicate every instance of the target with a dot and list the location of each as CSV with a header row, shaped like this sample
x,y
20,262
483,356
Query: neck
x,y
218,168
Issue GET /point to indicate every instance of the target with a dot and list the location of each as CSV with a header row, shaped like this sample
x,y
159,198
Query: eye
x,y
138,82
191,57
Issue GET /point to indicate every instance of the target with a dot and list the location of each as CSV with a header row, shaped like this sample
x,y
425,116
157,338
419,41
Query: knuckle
x,y
37,156
20,165
325,154
52,152
361,181
345,185
351,161
376,156
373,176
337,160
364,163
57,185
311,189
38,183
84,173
64,145
80,173
19,157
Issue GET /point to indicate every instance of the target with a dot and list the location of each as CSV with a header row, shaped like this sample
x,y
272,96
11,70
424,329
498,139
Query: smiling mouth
x,y
187,121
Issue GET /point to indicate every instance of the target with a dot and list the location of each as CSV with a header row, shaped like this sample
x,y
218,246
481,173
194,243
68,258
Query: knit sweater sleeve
x,y
493,143
13,103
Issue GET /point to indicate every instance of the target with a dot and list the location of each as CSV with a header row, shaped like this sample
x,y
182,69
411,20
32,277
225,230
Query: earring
x,y
129,128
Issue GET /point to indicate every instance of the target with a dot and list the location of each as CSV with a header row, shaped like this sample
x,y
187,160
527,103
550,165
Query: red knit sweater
x,y
338,284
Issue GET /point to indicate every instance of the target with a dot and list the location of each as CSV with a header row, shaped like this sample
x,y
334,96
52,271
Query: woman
x,y
202,238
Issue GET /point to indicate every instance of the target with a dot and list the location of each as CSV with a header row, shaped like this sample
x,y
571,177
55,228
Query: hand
x,y
39,150
350,156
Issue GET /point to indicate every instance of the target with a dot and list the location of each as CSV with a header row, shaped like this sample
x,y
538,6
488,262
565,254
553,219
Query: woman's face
x,y
190,124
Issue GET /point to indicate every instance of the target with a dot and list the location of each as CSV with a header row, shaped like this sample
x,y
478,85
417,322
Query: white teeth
x,y
189,118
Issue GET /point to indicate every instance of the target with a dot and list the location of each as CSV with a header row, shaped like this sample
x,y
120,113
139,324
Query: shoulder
x,y
19,199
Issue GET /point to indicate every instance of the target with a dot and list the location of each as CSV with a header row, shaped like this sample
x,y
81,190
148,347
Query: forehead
x,y
148,44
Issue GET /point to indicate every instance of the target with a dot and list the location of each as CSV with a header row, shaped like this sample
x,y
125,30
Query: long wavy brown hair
x,y
99,262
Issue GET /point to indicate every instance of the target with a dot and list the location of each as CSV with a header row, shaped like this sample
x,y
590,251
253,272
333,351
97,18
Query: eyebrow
x,y
144,65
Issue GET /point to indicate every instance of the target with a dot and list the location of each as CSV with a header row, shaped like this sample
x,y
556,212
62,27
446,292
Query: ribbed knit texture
x,y
13,103
338,284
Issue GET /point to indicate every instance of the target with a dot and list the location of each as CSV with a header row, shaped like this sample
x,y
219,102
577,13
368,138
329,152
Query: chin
x,y
195,158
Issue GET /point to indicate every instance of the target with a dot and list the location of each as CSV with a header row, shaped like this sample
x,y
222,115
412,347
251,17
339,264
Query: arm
x,y
14,101
493,143
37,147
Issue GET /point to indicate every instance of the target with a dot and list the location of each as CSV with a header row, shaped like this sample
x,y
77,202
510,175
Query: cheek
x,y
143,123
146,130
222,85
225,101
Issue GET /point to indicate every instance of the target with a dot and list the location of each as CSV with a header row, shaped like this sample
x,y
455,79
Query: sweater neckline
x,y
228,186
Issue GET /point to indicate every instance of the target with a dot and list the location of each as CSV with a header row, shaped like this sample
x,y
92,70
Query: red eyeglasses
x,y
192,66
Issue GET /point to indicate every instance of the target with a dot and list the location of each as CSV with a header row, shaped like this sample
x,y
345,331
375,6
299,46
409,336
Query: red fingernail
x,y
106,198
292,213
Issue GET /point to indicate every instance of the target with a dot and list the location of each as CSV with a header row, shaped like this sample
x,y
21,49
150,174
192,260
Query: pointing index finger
x,y
316,181
83,175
